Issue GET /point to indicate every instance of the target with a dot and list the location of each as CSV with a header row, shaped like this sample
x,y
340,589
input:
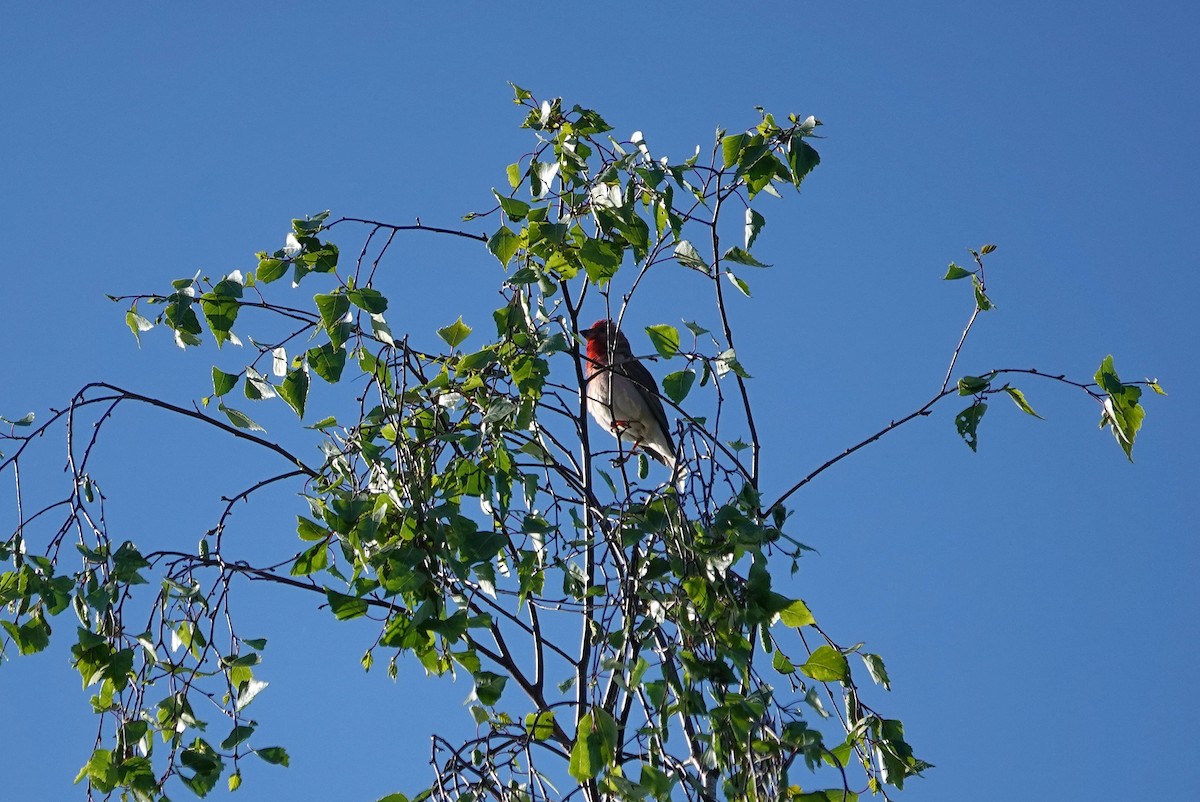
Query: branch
x,y
921,412
418,227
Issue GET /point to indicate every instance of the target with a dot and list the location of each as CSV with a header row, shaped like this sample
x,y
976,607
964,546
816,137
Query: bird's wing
x,y
648,388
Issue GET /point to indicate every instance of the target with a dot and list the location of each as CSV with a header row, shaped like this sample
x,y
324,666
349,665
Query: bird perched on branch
x,y
623,397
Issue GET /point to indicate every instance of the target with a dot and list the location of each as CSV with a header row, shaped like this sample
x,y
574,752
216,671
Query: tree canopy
x,y
626,639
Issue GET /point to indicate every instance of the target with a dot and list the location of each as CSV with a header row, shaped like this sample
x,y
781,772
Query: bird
x,y
623,397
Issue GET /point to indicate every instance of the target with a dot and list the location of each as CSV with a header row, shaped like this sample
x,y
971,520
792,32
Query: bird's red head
x,y
602,339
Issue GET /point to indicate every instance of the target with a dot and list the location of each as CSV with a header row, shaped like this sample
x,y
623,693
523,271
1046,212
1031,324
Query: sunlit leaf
x,y
1122,410
981,300
369,300
797,614
677,385
455,333
275,755
294,389
754,224
239,419
688,256
345,607
742,257
826,664
1019,399
540,726
333,309
504,244
665,339
595,745
970,385
742,286
876,669
327,361
600,259
248,691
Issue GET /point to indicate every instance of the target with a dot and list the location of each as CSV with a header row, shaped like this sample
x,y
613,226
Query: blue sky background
x,y
1036,603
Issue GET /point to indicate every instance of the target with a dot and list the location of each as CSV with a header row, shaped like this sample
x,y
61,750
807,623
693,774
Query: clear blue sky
x,y
1036,603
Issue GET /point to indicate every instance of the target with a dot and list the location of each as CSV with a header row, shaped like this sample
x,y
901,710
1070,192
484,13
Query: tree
x,y
627,639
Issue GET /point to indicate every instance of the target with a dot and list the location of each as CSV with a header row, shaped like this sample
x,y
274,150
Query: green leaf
x,y
488,687
270,269
327,361
687,255
477,360
504,244
758,165
981,300
727,362
831,795
540,726
520,95
802,158
1153,383
31,637
182,320
967,423
1019,399
731,148
100,771
311,560
541,177
239,419
369,300
275,755
781,664
137,324
956,272
333,309
294,389
222,382
1122,410
970,385
876,669
600,259
257,386
239,734
665,339
220,306
742,257
595,745
23,421
797,614
826,664
513,171
742,286
345,607
515,209
455,333
754,224
677,385
248,690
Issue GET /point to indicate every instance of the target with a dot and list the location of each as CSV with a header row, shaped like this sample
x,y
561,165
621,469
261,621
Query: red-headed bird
x,y
623,397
